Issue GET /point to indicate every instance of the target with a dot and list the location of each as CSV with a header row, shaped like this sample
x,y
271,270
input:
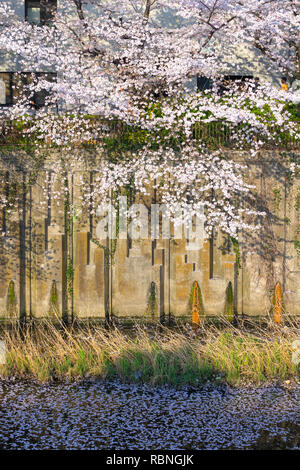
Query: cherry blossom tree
x,y
128,65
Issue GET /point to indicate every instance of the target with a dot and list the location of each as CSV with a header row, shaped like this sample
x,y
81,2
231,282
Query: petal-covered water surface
x,y
111,415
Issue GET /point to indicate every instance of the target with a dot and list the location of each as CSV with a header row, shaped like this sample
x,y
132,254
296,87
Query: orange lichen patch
x,y
278,303
195,305
228,264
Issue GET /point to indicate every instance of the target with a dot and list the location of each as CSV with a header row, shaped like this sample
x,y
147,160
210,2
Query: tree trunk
x,y
147,9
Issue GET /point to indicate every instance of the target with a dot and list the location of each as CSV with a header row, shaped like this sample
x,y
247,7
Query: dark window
x,y
40,12
22,82
204,83
238,82
41,96
5,88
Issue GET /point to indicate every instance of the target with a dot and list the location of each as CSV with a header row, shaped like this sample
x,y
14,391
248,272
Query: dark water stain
x,y
111,415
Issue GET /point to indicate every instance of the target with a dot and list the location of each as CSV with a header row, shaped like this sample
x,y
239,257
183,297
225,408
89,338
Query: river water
x,y
111,415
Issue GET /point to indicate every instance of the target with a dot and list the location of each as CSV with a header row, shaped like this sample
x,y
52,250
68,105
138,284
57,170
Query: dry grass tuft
x,y
155,355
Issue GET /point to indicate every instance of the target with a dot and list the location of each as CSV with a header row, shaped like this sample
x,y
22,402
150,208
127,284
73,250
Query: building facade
x,y
244,61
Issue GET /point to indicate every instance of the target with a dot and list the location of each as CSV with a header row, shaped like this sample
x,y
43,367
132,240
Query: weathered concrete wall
x,y
58,269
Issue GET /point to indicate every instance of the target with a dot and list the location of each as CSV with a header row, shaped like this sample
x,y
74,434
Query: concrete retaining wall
x,y
58,269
